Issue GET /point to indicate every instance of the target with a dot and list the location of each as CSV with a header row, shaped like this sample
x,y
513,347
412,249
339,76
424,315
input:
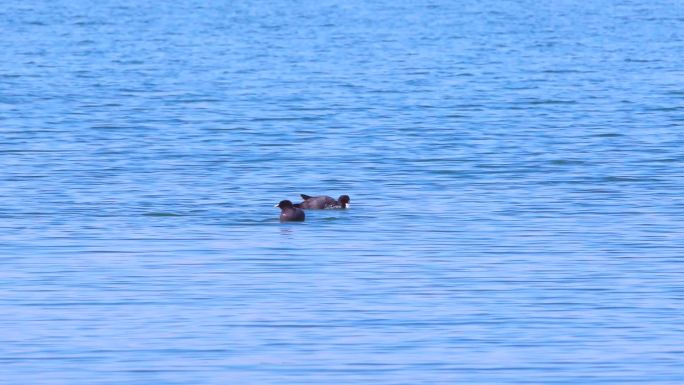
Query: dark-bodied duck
x,y
323,202
289,213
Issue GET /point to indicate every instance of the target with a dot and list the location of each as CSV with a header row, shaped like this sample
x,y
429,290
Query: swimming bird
x,y
289,213
324,202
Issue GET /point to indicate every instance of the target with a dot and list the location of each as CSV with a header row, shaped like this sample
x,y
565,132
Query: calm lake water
x,y
516,171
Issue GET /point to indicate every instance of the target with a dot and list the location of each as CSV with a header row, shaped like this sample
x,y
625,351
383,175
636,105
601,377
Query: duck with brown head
x,y
323,202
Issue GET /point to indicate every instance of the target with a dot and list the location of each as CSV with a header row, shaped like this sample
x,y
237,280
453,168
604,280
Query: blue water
x,y
515,169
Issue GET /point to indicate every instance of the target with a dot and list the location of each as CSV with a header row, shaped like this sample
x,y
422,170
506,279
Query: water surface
x,y
515,170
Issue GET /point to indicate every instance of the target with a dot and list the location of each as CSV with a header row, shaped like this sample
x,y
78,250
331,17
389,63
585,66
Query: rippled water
x,y
515,168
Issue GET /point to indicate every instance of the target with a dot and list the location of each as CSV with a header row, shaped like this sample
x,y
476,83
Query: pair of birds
x,y
294,212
